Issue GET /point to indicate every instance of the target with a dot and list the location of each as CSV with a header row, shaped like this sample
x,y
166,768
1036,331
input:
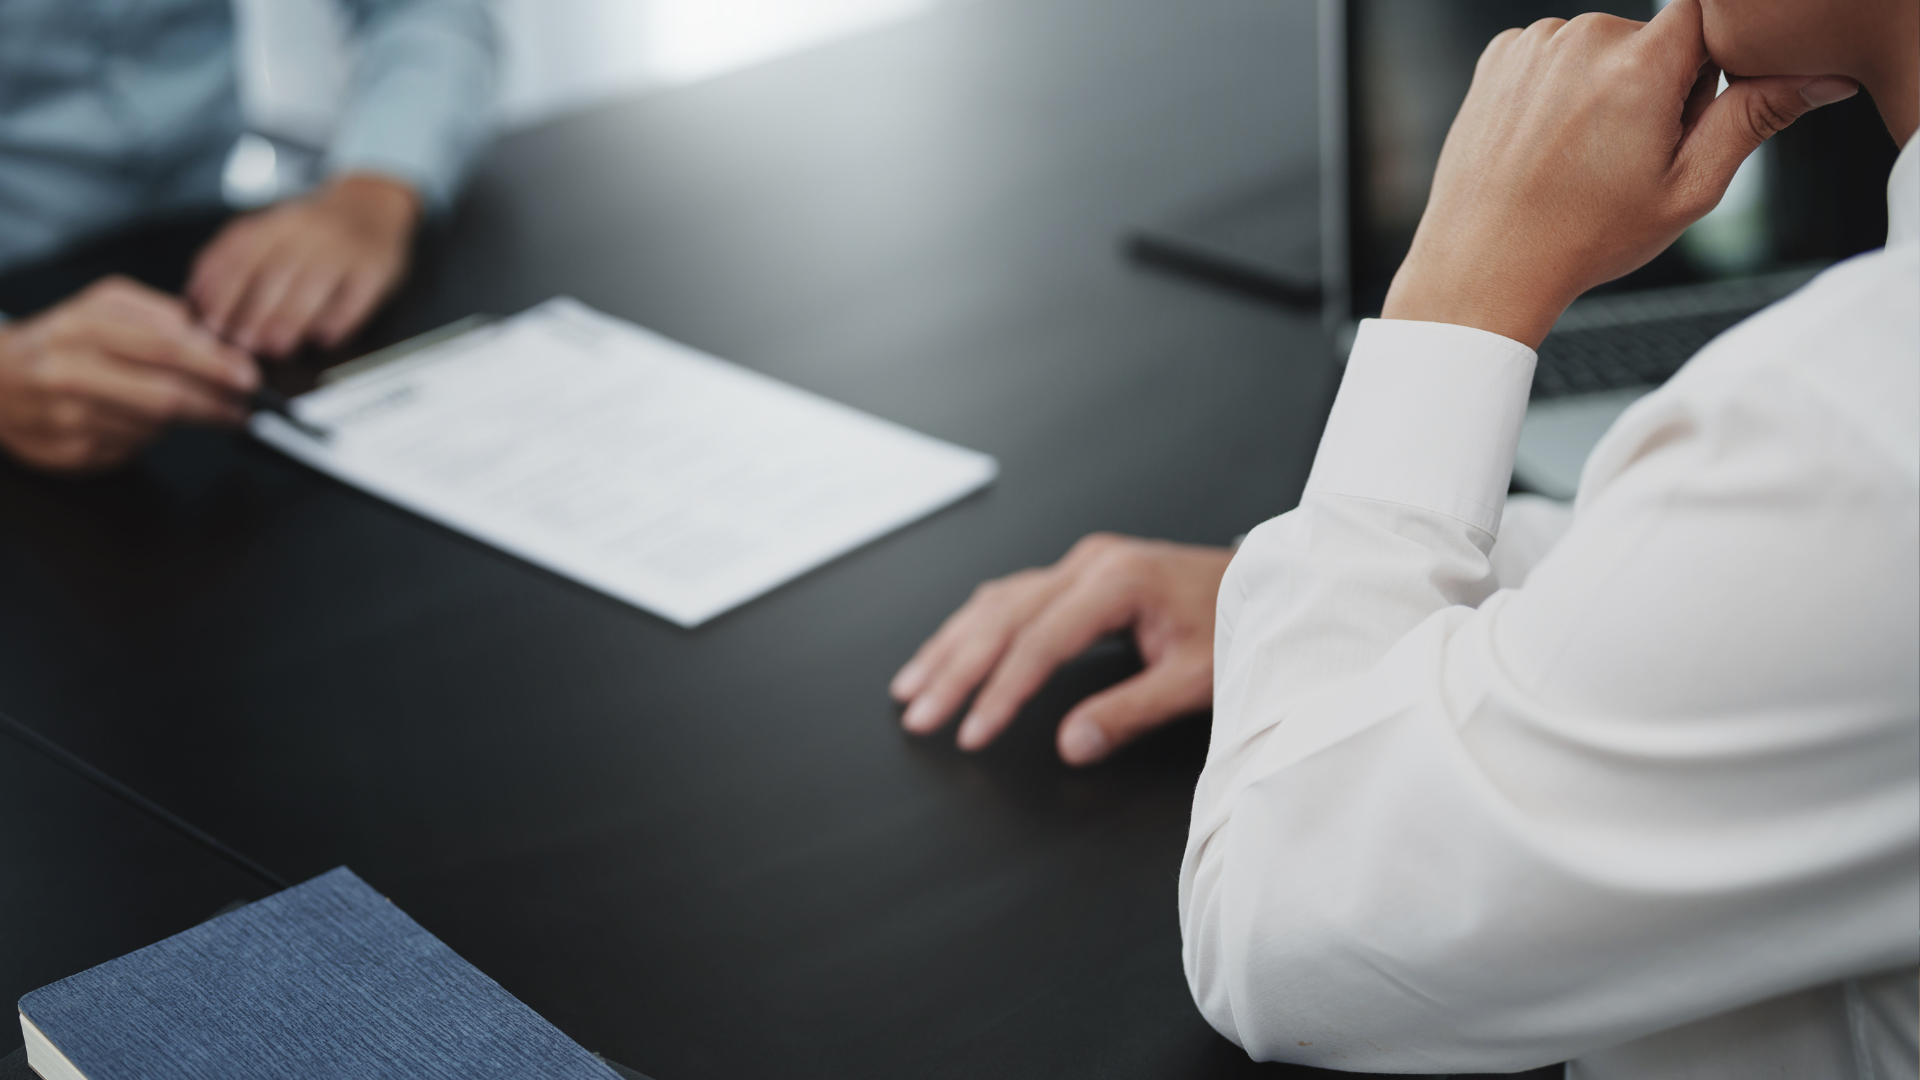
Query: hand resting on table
x,y
1016,631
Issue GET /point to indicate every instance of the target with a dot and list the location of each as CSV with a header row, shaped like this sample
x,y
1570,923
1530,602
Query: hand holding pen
x,y
90,382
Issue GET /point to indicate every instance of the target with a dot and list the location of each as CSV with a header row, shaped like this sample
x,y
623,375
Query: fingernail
x,y
1082,743
970,736
921,715
907,682
1828,89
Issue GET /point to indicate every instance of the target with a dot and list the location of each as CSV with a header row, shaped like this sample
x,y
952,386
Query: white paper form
x,y
658,474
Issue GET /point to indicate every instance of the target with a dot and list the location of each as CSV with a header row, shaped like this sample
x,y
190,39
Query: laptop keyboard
x,y
1642,338
1620,356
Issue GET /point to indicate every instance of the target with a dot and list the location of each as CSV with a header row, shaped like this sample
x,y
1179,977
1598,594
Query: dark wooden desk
x,y
714,854
85,877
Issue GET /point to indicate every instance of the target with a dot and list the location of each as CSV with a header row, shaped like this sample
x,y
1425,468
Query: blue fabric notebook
x,y
325,981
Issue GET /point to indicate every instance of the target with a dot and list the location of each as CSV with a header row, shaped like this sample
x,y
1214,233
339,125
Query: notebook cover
x,y
325,981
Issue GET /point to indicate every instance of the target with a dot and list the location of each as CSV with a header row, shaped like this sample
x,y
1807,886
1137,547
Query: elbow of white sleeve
x,y
1200,951
1294,962
1266,990
1237,977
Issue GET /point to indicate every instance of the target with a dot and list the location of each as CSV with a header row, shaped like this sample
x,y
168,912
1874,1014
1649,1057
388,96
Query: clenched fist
x,y
1583,148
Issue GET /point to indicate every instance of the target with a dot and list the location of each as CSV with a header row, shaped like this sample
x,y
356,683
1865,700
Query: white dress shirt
x,y
1655,812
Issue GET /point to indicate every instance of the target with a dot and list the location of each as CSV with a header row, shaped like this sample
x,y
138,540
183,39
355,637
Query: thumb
x,y
1119,714
1748,113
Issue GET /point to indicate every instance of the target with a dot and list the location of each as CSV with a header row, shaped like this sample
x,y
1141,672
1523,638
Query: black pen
x,y
277,403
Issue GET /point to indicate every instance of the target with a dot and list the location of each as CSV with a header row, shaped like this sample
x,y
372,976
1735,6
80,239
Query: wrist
x,y
391,205
1470,293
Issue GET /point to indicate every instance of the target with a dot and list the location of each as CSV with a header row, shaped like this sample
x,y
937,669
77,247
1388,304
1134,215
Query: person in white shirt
x,y
1649,803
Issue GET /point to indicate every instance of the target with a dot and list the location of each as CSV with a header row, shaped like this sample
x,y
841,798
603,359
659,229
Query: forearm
x,y
1400,510
1392,533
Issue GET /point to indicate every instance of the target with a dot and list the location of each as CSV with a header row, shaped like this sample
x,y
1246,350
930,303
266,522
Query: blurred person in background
x,y
116,114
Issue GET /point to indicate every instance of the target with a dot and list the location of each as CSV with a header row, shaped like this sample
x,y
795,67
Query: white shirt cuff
x,y
1427,416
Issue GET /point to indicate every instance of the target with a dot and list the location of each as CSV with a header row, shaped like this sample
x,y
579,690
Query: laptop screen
x,y
1814,194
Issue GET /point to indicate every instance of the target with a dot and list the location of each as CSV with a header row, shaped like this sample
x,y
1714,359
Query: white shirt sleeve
x,y
1529,528
1447,827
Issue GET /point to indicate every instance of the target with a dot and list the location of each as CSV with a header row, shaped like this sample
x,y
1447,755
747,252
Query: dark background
x,y
713,853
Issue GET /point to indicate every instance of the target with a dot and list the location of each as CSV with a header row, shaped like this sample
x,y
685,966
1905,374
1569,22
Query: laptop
x,y
1394,72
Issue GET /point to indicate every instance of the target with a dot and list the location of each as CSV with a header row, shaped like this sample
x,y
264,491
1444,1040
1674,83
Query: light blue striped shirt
x,y
112,111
